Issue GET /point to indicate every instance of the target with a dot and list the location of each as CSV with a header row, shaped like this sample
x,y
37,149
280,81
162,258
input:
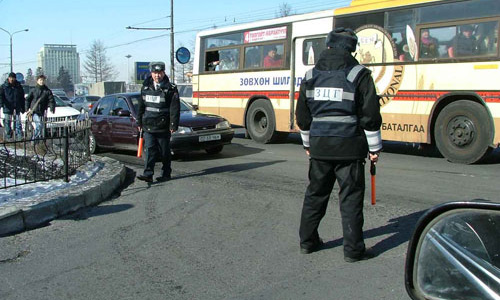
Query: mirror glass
x,y
459,256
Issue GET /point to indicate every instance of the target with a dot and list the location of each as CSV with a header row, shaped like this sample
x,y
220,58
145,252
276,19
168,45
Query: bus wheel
x,y
261,123
463,132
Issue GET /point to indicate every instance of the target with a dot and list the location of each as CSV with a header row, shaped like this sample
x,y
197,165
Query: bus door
x,y
305,54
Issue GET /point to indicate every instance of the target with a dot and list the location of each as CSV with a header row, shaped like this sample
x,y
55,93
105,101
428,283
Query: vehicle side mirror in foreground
x,y
124,113
455,253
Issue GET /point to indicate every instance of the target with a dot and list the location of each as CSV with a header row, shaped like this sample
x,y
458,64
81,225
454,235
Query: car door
x,y
123,128
100,126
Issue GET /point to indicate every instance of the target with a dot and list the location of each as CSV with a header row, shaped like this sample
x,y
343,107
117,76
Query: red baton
x,y
140,145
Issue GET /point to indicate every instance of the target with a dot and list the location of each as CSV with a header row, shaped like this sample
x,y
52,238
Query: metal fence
x,y
59,150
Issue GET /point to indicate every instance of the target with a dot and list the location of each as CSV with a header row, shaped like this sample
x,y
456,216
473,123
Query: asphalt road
x,y
226,227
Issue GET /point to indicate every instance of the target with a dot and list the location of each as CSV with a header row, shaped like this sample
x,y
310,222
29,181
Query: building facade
x,y
54,56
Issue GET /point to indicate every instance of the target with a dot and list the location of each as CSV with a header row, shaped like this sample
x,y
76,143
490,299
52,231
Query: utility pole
x,y
172,52
128,56
172,69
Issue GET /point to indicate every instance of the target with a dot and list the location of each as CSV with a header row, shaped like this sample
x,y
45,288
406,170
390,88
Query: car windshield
x,y
59,102
93,98
185,106
186,91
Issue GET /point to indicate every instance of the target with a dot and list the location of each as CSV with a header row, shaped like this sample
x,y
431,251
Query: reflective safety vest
x,y
331,99
157,107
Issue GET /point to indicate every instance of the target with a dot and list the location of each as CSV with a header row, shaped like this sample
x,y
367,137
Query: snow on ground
x,y
27,193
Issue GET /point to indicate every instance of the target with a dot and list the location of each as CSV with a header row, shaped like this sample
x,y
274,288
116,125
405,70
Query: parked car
x,y
185,92
61,94
455,252
84,103
114,126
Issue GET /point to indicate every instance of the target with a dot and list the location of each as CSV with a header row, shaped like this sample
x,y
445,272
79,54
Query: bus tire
x,y
463,132
261,122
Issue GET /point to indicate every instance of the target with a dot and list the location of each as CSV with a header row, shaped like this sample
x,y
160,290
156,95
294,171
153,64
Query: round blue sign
x,y
183,55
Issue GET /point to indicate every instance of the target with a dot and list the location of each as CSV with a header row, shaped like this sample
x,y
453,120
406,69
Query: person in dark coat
x,y
158,117
338,114
12,102
37,103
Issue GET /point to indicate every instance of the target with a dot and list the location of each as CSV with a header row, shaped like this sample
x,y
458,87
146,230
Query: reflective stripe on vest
x,y
331,99
155,109
345,96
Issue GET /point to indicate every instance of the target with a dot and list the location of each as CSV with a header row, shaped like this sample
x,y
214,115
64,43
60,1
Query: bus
x,y
435,64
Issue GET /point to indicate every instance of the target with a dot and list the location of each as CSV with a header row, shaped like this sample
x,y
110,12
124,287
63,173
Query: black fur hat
x,y
343,38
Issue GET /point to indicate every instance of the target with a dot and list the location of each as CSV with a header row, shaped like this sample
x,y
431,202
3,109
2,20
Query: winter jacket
x,y
12,97
367,106
43,93
158,110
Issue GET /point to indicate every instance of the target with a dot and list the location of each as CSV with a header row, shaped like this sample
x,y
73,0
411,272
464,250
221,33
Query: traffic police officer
x,y
338,114
158,117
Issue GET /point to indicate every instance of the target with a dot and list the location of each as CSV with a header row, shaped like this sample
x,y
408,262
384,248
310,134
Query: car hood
x,y
196,119
62,111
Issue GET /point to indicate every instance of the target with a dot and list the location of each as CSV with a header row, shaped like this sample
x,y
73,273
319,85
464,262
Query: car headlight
x,y
223,125
183,130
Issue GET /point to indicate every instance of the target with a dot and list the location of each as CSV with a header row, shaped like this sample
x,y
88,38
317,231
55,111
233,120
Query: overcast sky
x,y
81,22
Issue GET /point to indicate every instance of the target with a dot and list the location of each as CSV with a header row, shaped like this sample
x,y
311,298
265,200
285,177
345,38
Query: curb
x,y
96,190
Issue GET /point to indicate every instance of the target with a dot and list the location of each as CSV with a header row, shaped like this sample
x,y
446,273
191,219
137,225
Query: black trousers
x,y
322,176
156,145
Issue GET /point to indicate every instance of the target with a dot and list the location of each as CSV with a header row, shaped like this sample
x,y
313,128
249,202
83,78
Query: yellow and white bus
x,y
435,64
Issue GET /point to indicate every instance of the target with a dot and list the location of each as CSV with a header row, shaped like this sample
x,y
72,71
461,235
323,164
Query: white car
x,y
62,115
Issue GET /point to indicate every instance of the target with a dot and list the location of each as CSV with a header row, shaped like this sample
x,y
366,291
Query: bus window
x,y
273,56
229,60
469,40
311,49
253,57
211,60
224,40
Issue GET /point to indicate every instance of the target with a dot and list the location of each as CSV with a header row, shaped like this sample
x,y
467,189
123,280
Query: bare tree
x,y
97,64
285,10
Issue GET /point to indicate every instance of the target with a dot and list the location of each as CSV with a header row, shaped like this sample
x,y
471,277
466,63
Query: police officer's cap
x,y
342,38
157,66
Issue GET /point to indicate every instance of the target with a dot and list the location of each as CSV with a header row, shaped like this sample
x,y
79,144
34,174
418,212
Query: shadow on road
x,y
227,169
96,211
400,230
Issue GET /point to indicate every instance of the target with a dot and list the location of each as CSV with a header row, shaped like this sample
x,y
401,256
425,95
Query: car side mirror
x,y
124,113
195,106
455,253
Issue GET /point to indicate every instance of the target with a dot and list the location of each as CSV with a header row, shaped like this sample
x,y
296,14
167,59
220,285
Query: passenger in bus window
x,y
272,59
463,44
252,58
228,61
428,45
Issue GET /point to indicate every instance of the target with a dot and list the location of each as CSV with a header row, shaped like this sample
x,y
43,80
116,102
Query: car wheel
x,y
214,150
261,122
92,144
463,132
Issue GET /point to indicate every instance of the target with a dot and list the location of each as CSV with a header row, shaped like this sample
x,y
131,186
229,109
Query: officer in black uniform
x,y
338,114
158,117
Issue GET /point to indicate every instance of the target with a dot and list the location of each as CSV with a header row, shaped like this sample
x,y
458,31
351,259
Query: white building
x,y
54,56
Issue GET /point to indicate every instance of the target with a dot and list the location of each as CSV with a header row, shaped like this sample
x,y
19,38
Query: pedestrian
x,y
12,102
338,114
158,117
37,103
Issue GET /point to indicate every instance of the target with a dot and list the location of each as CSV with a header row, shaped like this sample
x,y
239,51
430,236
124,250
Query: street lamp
x,y
11,34
128,56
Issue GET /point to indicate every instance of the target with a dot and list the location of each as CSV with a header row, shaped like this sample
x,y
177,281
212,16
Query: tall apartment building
x,y
54,56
